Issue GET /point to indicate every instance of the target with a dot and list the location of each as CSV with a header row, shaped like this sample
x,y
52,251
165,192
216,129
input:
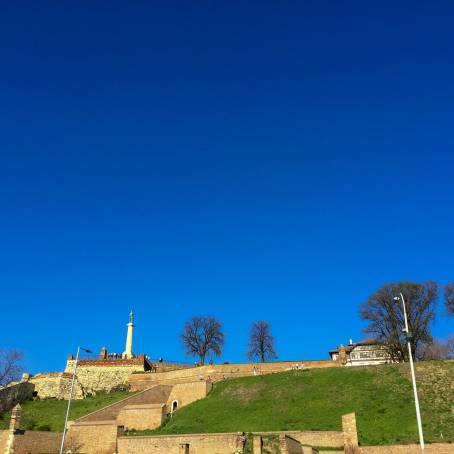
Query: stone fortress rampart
x,y
157,390
218,372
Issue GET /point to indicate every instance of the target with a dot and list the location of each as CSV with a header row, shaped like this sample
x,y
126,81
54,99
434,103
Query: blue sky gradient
x,y
268,160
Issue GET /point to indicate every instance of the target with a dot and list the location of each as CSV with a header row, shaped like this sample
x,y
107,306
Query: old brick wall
x,y
436,448
36,442
185,393
198,444
56,385
94,437
221,371
142,416
15,394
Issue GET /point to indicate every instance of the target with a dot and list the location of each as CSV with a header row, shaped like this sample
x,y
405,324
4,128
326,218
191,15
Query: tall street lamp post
x,y
412,368
71,395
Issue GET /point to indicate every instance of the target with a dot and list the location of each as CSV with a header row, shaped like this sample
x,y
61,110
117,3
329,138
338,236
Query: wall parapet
x,y
219,443
218,372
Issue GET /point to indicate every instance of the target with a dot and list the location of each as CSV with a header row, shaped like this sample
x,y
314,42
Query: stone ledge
x,y
142,406
94,423
219,434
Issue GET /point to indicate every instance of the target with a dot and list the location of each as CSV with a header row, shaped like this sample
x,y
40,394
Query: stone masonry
x,y
15,394
350,433
56,385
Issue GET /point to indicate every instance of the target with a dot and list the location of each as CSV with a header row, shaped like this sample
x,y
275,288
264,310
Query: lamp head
x,y
396,298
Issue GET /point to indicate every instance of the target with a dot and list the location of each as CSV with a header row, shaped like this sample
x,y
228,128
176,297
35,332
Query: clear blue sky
x,y
246,160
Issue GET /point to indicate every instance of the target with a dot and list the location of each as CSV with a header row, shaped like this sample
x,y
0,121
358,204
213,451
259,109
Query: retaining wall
x,y
93,437
289,445
15,394
56,385
328,438
226,443
217,372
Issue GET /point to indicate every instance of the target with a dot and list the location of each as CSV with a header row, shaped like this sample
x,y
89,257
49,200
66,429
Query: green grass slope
x,y
49,414
381,396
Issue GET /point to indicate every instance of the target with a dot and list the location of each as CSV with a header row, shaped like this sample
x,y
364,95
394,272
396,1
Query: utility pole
x,y
413,377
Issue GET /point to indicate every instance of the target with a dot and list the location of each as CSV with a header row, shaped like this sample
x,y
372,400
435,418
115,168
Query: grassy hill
x,y
381,396
49,414
315,399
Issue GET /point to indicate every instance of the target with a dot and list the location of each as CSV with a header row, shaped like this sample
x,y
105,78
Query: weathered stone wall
x,y
56,385
15,394
257,444
94,437
328,438
436,448
4,434
185,393
166,367
350,433
141,416
35,442
219,372
289,445
226,443
309,450
94,377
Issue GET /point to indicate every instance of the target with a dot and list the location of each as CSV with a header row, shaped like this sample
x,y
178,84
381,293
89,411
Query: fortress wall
x,y
4,434
289,445
185,393
15,394
328,438
226,443
166,367
96,377
98,437
55,385
222,371
36,442
142,416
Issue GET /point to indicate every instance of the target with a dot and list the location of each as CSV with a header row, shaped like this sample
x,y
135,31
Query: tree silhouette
x,y
449,298
387,320
201,336
261,342
10,369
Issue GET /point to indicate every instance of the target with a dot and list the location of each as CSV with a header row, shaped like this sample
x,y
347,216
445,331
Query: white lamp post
x,y
70,396
413,378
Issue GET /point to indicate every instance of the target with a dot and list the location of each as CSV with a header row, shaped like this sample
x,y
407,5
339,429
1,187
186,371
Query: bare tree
x,y
261,342
387,320
450,346
10,368
202,336
449,298
437,350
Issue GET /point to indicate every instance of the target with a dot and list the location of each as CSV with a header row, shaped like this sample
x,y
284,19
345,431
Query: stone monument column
x,y
128,351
